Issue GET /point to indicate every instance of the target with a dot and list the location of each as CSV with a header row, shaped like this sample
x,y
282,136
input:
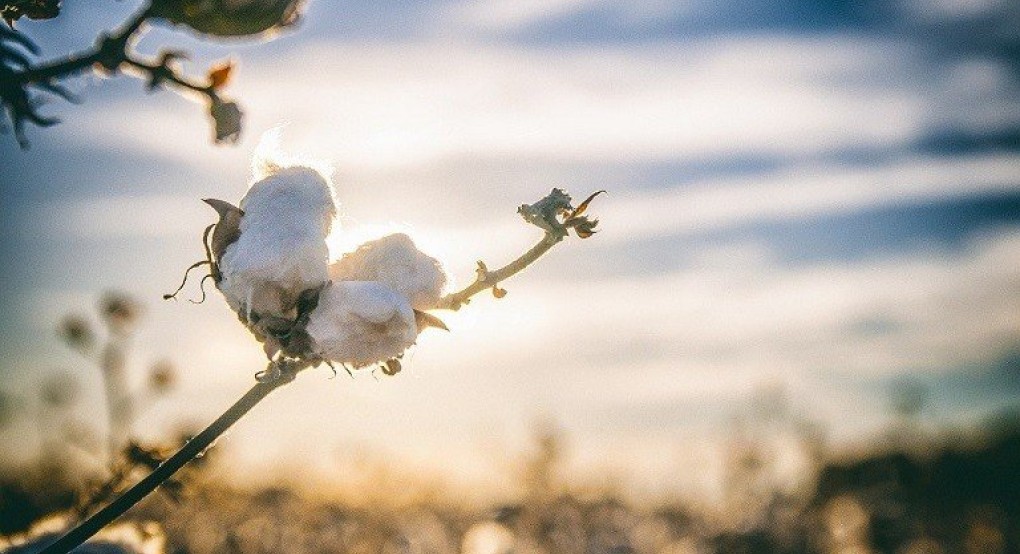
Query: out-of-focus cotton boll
x,y
281,250
361,323
395,261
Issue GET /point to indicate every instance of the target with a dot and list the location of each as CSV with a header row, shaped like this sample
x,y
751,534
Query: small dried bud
x,y
229,18
119,311
585,227
391,367
227,117
162,376
555,215
77,332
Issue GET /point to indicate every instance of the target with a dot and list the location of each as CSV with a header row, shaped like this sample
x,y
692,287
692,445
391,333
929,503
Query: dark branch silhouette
x,y
25,84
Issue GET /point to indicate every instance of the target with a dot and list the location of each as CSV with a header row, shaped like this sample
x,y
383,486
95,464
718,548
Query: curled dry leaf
x,y
583,206
227,117
227,229
425,320
219,74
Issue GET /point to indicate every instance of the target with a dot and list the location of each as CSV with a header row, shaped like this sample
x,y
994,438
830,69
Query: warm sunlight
x,y
790,323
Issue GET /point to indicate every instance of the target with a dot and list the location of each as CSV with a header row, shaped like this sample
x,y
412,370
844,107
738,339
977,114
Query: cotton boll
x,y
397,262
281,250
361,323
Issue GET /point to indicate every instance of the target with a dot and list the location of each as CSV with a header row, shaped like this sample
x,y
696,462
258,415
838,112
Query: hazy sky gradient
x,y
818,197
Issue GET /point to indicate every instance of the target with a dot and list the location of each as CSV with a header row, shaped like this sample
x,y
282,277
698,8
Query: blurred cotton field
x,y
796,331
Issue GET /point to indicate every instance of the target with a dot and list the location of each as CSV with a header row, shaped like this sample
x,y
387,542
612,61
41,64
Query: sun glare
x,y
269,153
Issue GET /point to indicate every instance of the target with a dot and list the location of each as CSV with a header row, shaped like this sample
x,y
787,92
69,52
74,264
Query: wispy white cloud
x,y
940,10
976,95
410,104
510,15
384,112
504,14
805,191
710,337
120,217
386,105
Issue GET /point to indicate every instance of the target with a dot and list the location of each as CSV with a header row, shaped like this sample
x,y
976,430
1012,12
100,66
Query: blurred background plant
x,y
25,82
73,472
960,496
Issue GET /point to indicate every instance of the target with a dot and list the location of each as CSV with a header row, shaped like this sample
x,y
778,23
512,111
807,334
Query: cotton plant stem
x,y
188,452
488,279
146,68
114,52
110,51
118,398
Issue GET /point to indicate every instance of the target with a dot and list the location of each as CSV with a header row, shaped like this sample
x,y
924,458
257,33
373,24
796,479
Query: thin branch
x,y
553,214
486,279
163,72
110,51
167,469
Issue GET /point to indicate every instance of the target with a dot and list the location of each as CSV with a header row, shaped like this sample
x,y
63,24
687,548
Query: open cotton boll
x,y
361,323
397,262
281,250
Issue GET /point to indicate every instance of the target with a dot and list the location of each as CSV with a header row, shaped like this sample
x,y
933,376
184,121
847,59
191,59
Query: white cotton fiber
x,y
361,323
281,251
395,261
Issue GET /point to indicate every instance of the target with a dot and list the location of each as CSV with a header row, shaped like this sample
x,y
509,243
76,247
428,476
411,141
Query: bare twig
x,y
163,72
556,217
112,53
486,279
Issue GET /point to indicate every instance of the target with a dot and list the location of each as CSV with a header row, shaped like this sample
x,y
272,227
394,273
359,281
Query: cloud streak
x,y
407,104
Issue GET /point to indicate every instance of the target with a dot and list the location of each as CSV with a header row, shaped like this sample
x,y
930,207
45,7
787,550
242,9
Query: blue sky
x,y
820,196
